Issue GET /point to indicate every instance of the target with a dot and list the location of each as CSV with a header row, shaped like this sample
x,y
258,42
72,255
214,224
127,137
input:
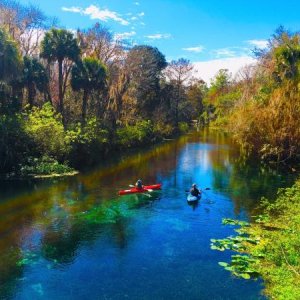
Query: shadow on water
x,y
61,232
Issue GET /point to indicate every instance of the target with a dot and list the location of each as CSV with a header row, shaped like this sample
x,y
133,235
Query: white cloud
x,y
262,44
224,52
133,18
206,70
124,35
95,13
73,9
196,49
137,3
141,14
158,36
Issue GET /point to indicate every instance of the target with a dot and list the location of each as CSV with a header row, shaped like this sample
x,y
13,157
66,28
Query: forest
x,y
70,98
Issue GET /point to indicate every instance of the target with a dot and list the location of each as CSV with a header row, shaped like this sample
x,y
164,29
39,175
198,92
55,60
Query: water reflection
x,y
47,228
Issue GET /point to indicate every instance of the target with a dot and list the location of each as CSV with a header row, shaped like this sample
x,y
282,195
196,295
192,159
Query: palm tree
x,y
34,77
59,45
88,75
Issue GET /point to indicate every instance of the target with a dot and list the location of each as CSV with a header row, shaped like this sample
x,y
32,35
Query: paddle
x,y
206,189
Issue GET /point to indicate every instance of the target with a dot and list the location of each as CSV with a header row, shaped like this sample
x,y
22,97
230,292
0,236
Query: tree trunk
x,y
84,106
60,89
31,94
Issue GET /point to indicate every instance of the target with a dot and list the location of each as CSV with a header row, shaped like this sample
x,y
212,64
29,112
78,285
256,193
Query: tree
x,y
26,24
10,60
10,66
34,78
88,75
60,45
144,65
195,95
179,72
98,41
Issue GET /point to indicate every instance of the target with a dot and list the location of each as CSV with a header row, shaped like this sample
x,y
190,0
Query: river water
x,y
74,238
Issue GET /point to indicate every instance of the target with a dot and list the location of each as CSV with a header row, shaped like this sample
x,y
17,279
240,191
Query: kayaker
x,y
139,184
194,191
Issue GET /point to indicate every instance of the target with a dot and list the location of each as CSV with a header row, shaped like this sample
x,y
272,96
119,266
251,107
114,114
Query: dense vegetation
x,y
67,99
271,245
261,106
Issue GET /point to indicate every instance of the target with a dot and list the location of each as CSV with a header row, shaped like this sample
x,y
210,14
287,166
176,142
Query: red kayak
x,y
144,189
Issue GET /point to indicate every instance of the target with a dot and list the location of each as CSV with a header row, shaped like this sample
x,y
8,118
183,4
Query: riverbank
x,y
54,151
272,246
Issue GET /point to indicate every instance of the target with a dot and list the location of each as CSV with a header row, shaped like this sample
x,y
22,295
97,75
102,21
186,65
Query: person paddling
x,y
194,191
139,184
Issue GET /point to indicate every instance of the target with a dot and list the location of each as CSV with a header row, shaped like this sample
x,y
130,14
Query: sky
x,y
213,34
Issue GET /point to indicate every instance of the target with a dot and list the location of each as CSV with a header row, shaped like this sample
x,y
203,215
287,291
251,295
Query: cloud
x,y
224,52
196,49
95,13
206,70
124,35
141,14
262,44
231,52
158,36
72,9
136,3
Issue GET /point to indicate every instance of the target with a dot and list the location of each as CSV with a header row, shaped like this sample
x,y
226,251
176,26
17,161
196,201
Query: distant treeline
x,y
67,98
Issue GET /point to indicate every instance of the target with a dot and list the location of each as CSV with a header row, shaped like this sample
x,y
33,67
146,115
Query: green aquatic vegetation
x,y
270,246
104,215
232,243
241,266
28,258
234,222
44,166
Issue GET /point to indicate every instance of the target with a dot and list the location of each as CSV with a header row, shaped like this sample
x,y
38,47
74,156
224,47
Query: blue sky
x,y
213,34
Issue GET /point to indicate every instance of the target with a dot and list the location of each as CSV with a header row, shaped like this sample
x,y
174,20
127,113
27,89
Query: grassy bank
x,y
269,247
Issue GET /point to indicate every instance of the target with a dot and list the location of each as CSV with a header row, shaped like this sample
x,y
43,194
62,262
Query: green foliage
x,y
144,65
59,44
183,127
34,77
241,266
44,166
271,244
14,143
10,60
162,130
88,75
88,143
44,126
135,135
234,222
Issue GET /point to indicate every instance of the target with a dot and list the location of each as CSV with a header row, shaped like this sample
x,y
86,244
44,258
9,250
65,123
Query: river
x,y
74,238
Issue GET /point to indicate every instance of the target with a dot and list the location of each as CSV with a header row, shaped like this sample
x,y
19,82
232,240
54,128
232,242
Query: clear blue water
x,y
75,238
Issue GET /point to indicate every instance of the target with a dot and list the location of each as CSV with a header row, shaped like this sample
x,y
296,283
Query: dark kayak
x,y
191,198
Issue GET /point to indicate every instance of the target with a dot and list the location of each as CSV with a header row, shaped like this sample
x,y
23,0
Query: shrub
x,y
14,142
44,126
87,143
183,127
135,135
